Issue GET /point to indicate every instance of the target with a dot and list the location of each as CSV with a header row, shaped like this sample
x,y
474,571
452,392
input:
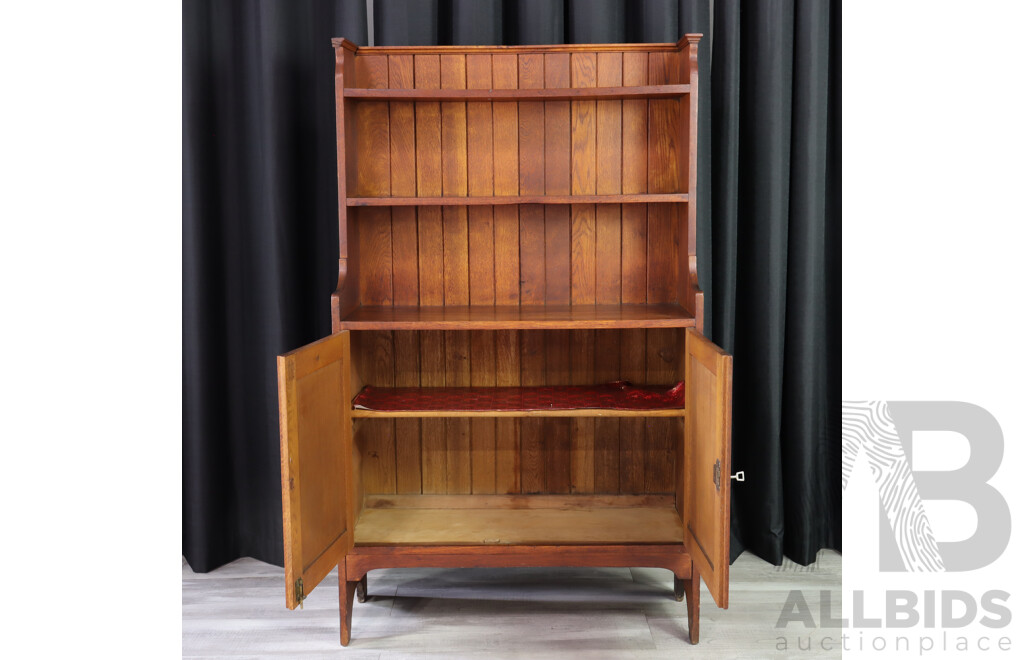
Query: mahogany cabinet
x,y
516,374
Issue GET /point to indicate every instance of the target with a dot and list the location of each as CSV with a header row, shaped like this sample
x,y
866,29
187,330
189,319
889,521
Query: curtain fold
x,y
260,234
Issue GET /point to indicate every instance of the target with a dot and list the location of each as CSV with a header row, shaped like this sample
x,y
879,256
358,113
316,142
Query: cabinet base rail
x,y
362,559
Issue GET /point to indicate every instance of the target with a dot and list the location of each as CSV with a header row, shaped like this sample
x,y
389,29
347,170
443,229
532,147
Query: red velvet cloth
x,y
619,395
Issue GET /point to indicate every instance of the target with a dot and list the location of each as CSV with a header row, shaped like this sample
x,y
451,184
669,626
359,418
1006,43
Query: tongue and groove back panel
x,y
578,254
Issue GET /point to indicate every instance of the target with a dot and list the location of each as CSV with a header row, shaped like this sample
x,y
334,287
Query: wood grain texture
x,y
341,42
523,317
642,92
708,442
313,390
515,200
507,433
373,142
405,269
557,265
505,116
533,441
583,275
430,237
480,133
609,258
659,447
449,526
454,181
662,149
512,216
561,502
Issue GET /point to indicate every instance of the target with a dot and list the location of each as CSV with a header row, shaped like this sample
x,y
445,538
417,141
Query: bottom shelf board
x,y
532,526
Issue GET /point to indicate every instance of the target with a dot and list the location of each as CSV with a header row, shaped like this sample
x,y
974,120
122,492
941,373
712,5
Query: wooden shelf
x,y
619,399
562,94
518,317
646,198
527,526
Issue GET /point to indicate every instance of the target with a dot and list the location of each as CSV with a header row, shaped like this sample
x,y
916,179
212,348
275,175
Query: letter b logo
x,y
883,431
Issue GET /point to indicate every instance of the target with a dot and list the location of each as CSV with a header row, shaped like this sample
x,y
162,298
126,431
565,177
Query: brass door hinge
x,y
299,593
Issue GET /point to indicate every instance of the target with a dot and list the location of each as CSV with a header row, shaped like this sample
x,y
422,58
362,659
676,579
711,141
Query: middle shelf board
x,y
506,200
517,317
618,399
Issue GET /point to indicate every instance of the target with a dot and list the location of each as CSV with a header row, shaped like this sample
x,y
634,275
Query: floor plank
x,y
238,611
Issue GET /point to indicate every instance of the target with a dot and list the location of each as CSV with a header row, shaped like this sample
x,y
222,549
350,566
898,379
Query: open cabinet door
x,y
316,457
707,449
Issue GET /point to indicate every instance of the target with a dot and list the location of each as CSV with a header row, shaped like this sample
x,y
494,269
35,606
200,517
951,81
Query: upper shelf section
x,y
507,200
521,317
570,94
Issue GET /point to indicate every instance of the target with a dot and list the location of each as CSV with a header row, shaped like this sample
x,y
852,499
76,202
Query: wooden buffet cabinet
x,y
516,223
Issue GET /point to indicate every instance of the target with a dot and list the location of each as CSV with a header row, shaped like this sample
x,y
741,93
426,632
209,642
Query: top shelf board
x,y
565,94
644,198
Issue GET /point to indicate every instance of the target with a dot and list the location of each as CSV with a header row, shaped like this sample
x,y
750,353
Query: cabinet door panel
x,y
314,391
707,452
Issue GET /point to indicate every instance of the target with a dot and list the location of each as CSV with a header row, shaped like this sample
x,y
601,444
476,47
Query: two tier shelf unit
x,y
517,374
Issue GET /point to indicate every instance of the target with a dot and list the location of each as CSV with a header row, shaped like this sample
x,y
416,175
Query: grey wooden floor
x,y
238,610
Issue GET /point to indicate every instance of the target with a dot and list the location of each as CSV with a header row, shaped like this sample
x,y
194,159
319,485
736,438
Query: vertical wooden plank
x,y
531,262
662,266
480,131
609,182
378,451
662,253
662,357
431,278
583,277
533,440
402,129
375,266
583,165
662,176
531,182
507,463
375,255
454,182
479,127
557,262
434,462
505,75
634,265
606,429
408,449
663,159
634,180
558,469
631,429
483,366
557,181
405,269
373,176
608,228
453,128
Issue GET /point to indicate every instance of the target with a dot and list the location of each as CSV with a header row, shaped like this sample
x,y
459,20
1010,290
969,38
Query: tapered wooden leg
x,y
346,593
361,590
678,588
691,588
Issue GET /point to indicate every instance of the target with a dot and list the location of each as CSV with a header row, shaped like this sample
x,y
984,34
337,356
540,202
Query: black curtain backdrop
x,y
260,234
